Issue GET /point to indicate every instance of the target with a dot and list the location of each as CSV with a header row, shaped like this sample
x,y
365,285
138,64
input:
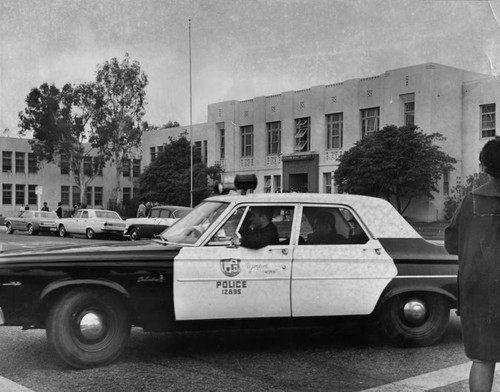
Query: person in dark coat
x,y
59,210
324,231
262,231
474,235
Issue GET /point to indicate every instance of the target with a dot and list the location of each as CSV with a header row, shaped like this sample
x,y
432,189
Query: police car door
x,y
219,281
341,274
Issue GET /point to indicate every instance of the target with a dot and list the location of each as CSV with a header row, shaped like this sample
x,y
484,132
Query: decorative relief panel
x,y
221,163
246,162
332,155
273,160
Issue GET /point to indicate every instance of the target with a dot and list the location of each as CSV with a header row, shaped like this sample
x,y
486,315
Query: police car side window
x,y
330,226
224,234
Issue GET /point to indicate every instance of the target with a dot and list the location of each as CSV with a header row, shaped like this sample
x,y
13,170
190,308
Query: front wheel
x,y
415,319
9,228
134,234
62,231
31,230
90,233
88,327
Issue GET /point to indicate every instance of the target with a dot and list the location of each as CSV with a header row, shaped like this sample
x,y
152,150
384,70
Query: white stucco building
x,y
292,140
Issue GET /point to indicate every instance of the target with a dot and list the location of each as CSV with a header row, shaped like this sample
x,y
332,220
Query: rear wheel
x,y
90,233
415,319
134,234
88,327
9,228
31,230
62,231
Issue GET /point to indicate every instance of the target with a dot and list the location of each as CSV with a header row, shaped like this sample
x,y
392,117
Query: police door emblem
x,y
230,267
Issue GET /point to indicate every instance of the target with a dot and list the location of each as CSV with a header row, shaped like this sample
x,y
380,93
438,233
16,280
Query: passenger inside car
x,y
329,226
324,231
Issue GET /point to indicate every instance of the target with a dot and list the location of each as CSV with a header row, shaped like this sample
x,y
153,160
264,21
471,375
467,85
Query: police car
x,y
195,277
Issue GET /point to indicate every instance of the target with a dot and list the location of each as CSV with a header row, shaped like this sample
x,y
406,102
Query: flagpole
x,y
190,118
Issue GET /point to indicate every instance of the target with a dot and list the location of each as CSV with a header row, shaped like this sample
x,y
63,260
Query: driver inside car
x,y
261,232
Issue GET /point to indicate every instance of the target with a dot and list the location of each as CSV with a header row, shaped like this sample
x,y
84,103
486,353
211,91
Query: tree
x,y
60,123
395,163
460,191
118,128
167,179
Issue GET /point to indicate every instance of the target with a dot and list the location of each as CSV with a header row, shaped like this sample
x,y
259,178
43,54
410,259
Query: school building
x,y
292,140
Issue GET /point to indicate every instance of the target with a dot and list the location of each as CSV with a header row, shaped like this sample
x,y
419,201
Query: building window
x,y
369,121
7,161
409,113
407,108
75,195
32,163
136,167
126,167
152,152
88,195
488,120
20,165
197,151
32,196
98,196
302,134
334,127
6,193
96,166
267,184
274,138
277,183
247,141
65,195
205,152
87,166
64,164
327,182
159,150
222,141
446,182
20,194
127,196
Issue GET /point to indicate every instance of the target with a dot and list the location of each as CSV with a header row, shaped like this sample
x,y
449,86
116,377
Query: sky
x,y
240,49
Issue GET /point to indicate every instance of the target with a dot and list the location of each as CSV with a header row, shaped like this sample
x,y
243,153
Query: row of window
x,y
370,122
334,129
21,194
90,164
200,147
19,162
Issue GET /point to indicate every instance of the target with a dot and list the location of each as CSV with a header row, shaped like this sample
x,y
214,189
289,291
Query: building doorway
x,y
298,182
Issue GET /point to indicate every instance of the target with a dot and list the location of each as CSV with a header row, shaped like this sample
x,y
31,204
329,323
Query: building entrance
x,y
298,182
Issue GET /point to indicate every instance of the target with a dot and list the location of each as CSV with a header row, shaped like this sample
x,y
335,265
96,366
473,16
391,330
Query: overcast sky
x,y
240,48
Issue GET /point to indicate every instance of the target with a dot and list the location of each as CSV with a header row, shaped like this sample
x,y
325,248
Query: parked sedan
x,y
32,221
158,219
91,222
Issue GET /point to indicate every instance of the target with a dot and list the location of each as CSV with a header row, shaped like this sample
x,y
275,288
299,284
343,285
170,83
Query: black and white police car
x,y
194,277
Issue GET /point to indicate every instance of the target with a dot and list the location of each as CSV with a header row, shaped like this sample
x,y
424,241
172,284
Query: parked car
x,y
158,219
32,221
195,277
91,222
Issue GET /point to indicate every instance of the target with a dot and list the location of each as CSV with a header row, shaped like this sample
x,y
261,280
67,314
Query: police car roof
x,y
380,217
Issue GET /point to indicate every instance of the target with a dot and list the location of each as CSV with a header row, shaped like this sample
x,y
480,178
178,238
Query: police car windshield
x,y
188,229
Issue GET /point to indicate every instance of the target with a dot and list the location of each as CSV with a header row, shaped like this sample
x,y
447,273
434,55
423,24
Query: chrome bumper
x,y
2,317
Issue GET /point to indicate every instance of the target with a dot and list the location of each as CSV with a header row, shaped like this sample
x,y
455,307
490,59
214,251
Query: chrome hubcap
x,y
91,326
415,311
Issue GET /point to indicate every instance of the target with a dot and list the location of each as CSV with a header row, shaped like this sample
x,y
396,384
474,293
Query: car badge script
x,y
230,267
